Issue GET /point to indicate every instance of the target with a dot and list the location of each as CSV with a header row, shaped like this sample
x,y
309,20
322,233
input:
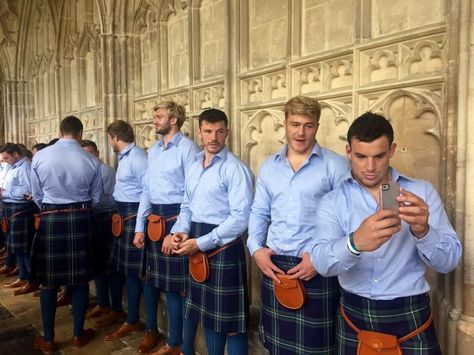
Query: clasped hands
x,y
178,243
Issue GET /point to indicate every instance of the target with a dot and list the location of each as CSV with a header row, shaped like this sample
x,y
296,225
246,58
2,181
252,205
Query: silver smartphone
x,y
388,196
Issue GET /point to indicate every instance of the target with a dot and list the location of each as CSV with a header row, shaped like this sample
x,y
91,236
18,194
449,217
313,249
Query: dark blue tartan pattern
x,y
308,330
220,303
21,230
166,272
126,257
102,240
61,250
398,317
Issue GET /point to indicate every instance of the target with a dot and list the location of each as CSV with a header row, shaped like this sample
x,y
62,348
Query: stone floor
x,y
19,325
21,321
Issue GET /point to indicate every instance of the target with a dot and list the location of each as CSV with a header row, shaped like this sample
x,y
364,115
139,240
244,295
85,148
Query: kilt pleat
x,y
166,272
62,248
102,240
220,303
398,317
21,230
308,330
125,257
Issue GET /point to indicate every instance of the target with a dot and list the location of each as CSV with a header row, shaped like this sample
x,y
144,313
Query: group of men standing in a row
x,y
333,262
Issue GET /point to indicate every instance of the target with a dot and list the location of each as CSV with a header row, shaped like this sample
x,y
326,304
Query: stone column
x,y
15,113
463,313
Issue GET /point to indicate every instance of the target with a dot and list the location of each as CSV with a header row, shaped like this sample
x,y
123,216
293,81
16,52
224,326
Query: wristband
x,y
351,245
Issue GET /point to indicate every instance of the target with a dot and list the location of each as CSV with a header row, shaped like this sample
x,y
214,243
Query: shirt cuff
x,y
428,243
140,226
253,246
205,242
343,255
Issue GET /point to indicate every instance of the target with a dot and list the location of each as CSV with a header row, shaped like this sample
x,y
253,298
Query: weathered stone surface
x,y
104,60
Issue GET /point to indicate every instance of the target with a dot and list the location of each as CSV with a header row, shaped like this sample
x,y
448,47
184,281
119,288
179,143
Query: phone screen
x,y
388,196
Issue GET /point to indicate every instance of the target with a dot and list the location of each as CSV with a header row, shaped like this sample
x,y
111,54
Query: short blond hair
x,y
303,105
174,110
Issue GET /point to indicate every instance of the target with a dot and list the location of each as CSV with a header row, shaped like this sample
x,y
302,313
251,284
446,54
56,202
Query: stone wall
x,y
104,60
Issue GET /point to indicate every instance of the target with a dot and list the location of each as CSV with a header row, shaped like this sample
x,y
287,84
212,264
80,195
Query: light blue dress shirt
x,y
164,179
107,202
17,182
65,173
284,208
130,174
397,268
220,194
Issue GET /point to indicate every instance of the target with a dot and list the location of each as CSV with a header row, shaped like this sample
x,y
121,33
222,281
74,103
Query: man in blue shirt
x,y
214,215
65,182
289,188
126,259
163,191
380,255
18,214
103,238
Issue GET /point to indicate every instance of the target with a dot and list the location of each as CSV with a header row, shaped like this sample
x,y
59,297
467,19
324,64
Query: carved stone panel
x,y
416,118
395,16
336,117
268,32
333,27
212,38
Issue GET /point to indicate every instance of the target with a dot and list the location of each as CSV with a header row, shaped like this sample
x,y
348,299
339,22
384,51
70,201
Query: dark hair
x,y
39,146
122,130
89,143
369,127
71,125
53,141
213,115
11,148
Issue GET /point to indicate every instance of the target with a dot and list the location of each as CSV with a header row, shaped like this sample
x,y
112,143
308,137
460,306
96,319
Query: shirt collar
x,y
222,155
126,150
396,176
281,155
19,163
173,141
67,141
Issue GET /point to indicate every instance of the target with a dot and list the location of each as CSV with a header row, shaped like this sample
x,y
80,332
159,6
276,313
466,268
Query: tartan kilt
x,y
308,330
21,229
166,272
125,257
61,250
102,240
220,303
398,317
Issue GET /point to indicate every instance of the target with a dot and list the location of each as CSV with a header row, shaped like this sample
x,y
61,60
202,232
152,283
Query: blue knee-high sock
x,y
10,259
237,344
215,342
134,292
80,302
189,334
102,287
48,299
151,294
22,265
174,304
116,281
